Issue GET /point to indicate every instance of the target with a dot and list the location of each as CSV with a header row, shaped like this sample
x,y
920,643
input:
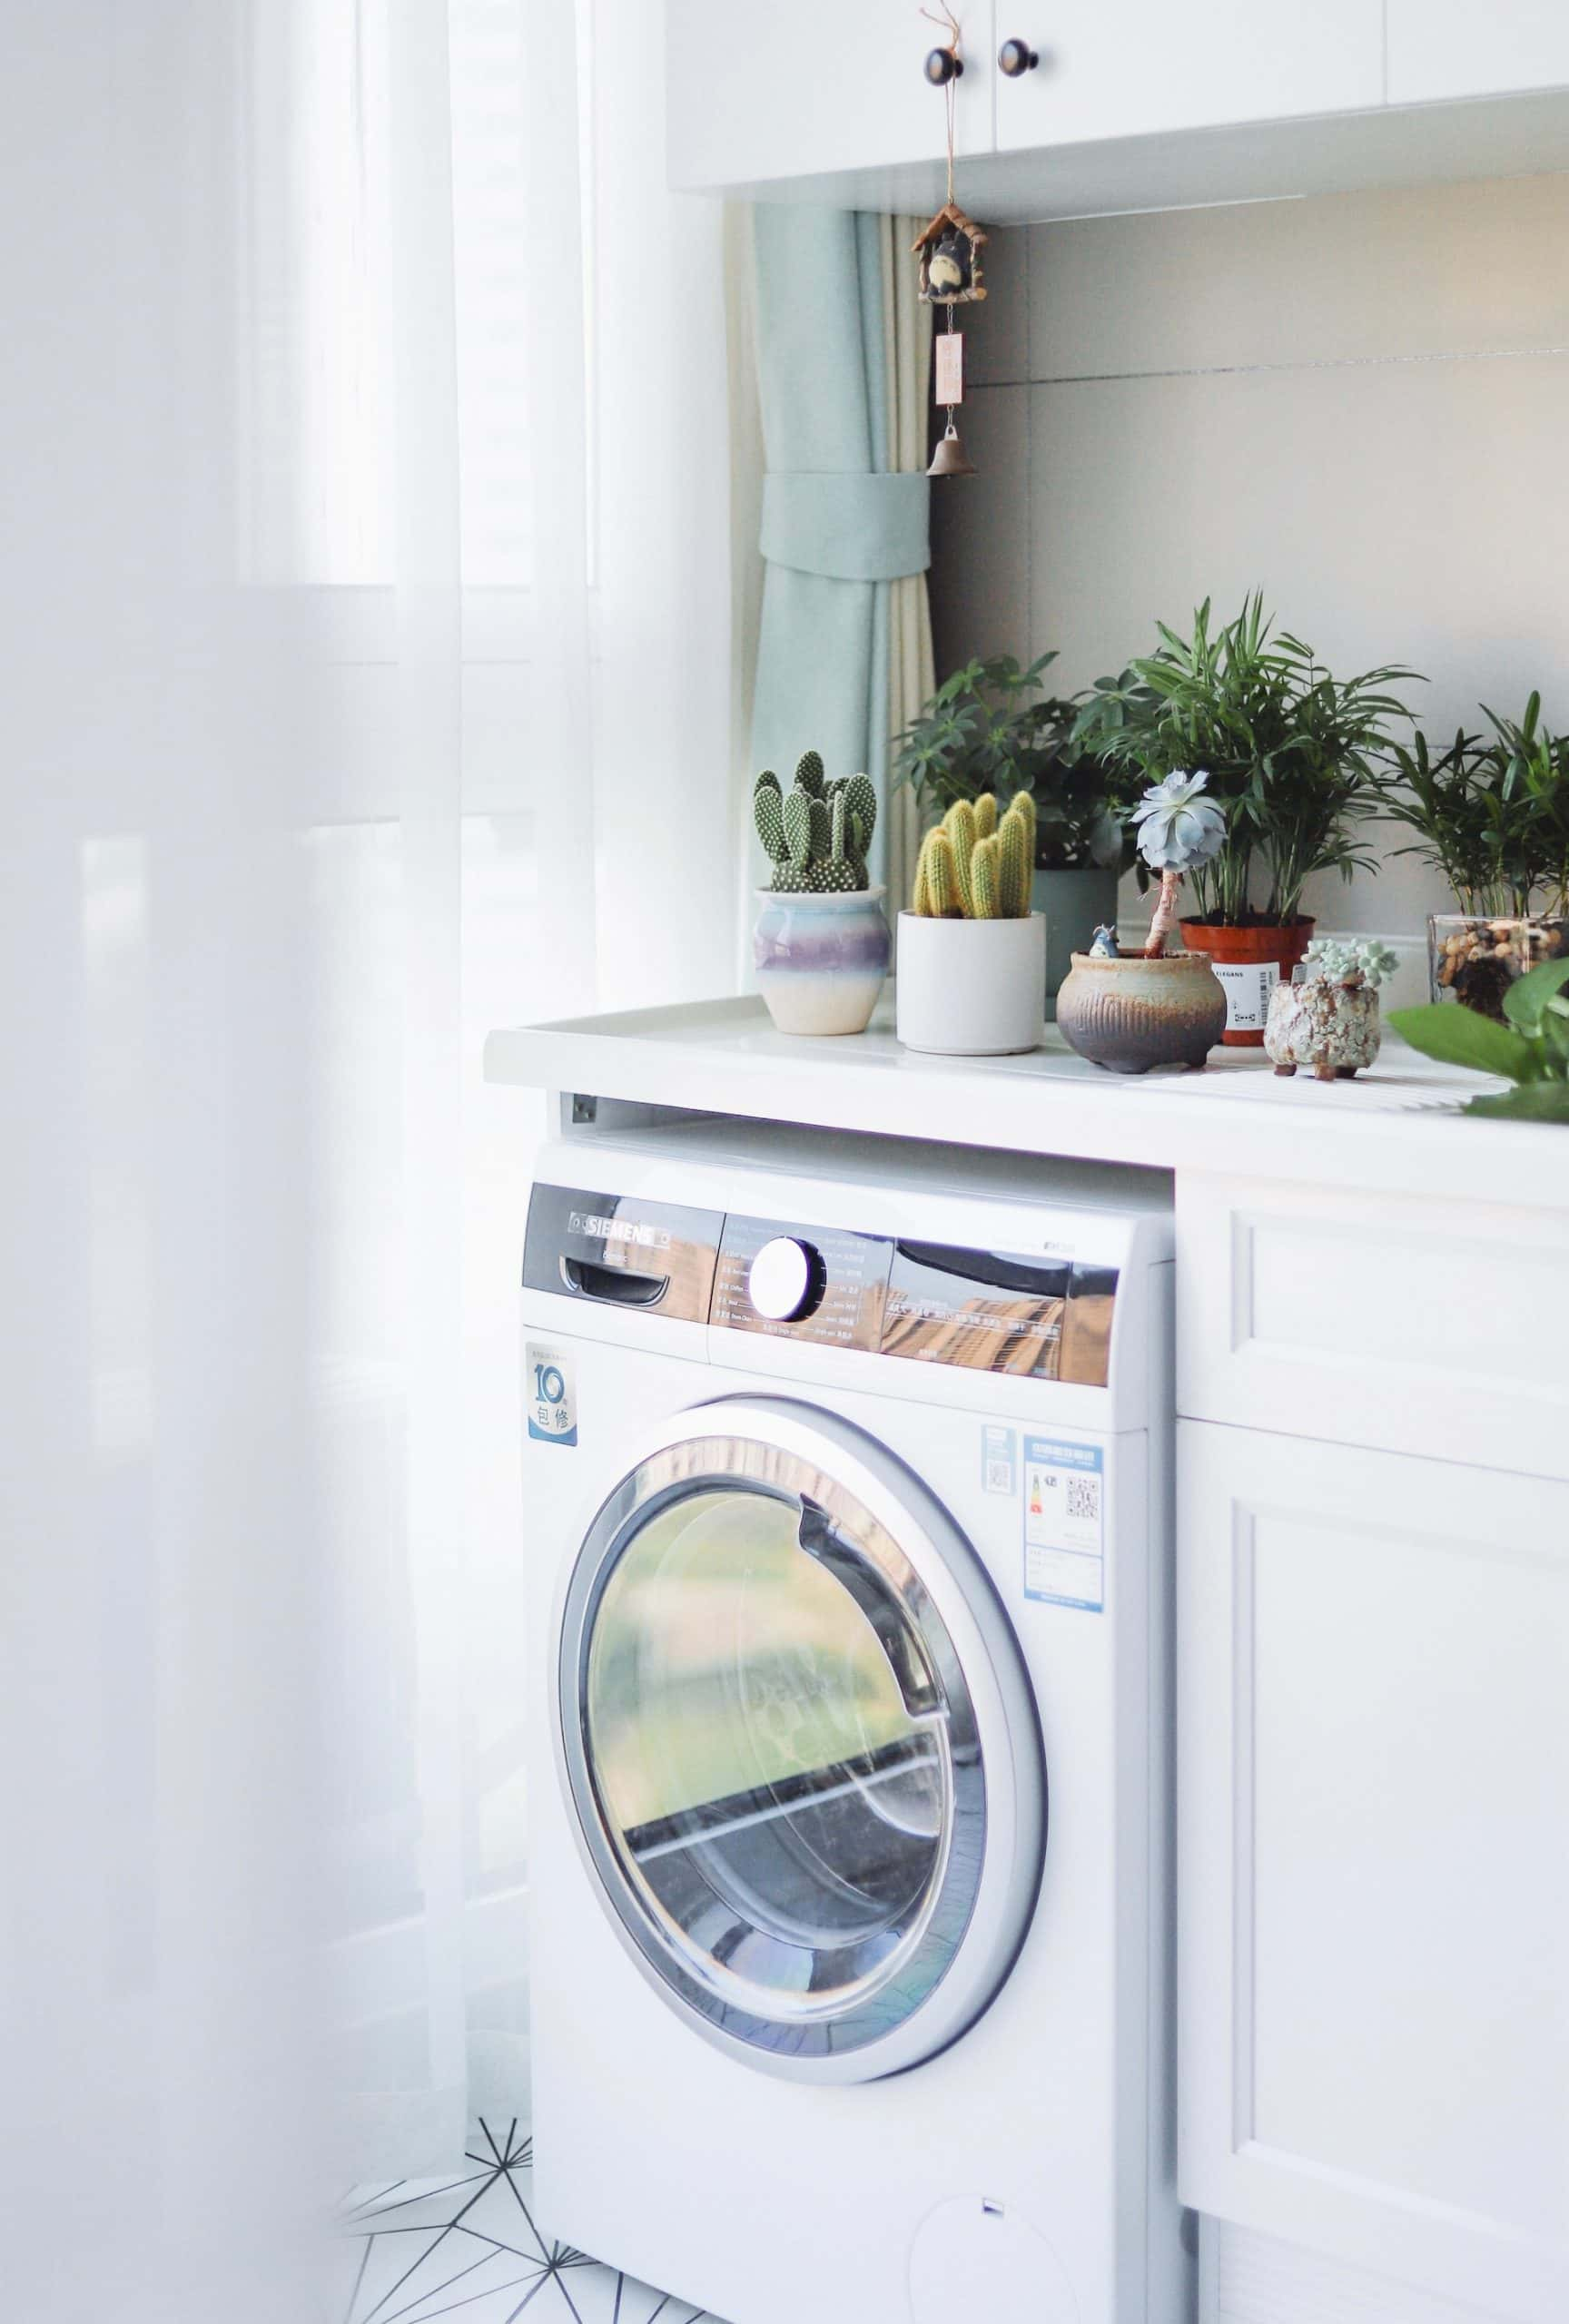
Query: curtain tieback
x,y
853,528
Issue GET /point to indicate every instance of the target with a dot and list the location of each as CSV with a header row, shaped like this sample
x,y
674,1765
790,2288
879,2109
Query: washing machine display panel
x,y
846,1277
987,1311
978,1311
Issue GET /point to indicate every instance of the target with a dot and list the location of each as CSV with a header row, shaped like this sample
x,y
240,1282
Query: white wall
x,y
1359,404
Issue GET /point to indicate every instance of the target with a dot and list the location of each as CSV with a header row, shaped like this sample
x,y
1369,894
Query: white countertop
x,y
1395,1127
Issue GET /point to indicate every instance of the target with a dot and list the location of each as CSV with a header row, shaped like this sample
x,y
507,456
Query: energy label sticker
x,y
1065,1522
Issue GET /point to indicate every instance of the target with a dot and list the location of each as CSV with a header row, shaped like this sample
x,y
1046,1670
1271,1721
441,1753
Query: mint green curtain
x,y
838,528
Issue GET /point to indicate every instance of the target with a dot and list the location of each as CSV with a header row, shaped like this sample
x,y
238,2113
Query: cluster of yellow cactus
x,y
975,865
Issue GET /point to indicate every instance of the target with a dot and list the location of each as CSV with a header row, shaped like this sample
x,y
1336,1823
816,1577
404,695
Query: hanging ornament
x,y
951,274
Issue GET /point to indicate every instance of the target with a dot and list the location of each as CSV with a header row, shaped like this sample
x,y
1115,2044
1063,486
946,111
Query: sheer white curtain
x,y
364,682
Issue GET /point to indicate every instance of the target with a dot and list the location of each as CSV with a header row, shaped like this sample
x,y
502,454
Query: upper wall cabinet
x,y
1138,105
765,89
1147,66
1454,48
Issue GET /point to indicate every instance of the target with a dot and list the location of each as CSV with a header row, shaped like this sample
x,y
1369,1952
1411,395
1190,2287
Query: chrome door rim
x,y
956,1955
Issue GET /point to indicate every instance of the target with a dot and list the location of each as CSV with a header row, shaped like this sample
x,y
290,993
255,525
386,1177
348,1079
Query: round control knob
x,y
1017,57
785,1280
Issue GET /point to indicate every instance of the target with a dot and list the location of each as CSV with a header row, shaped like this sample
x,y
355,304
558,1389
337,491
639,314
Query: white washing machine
x,y
846,1501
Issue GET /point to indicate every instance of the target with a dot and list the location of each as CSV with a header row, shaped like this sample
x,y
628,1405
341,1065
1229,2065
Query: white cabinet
x,y
767,89
1390,1321
1456,48
1374,1877
1123,71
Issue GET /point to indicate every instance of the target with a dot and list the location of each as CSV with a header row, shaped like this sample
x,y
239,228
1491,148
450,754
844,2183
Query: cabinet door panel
x,y
1453,48
1128,71
758,90
1373,1658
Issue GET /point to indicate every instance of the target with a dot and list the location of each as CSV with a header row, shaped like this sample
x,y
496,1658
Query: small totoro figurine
x,y
1103,945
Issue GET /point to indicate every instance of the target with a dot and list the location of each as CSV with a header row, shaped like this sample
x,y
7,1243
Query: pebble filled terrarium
x,y
1492,814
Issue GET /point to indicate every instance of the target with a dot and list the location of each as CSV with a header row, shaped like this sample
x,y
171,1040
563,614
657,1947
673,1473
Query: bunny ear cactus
x,y
816,836
768,813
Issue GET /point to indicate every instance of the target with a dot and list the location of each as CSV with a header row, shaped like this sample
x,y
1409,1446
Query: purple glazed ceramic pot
x,y
821,959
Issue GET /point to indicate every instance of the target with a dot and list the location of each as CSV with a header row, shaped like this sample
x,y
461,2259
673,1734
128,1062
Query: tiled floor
x,y
467,2247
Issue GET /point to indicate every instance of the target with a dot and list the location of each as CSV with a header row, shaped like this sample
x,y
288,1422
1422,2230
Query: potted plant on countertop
x,y
1530,1048
1128,1012
992,728
1328,1020
820,943
972,953
1290,755
1493,817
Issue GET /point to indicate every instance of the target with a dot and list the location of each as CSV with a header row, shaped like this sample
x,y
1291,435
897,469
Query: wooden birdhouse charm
x,y
949,255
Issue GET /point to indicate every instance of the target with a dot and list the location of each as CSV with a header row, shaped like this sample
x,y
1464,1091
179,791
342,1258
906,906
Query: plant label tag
x,y
1065,1522
950,346
1248,985
550,1390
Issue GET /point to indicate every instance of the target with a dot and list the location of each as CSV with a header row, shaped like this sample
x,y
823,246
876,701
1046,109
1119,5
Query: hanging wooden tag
x,y
950,352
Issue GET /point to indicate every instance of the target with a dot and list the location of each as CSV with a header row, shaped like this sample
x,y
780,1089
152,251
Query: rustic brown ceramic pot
x,y
1131,1014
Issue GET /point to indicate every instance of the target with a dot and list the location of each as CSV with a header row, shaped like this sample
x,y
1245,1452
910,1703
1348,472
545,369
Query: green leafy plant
x,y
815,835
1530,1049
991,728
1493,813
974,866
1290,753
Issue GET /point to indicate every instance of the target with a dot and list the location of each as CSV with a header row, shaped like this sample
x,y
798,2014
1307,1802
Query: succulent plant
x,y
1178,830
976,866
1331,961
817,834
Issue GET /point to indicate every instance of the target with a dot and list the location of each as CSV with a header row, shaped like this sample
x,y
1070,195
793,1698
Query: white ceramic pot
x,y
971,987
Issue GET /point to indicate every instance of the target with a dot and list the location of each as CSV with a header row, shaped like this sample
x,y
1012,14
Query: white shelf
x,y
1396,1128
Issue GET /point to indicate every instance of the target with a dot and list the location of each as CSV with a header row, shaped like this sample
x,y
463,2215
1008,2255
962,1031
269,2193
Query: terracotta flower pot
x,y
1249,962
1131,1014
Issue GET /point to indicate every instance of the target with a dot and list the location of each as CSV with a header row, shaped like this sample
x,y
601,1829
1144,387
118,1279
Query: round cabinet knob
x,y
785,1280
1017,57
942,67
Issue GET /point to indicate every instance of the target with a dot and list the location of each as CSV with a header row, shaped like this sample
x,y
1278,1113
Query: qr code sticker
x,y
1084,1498
999,1476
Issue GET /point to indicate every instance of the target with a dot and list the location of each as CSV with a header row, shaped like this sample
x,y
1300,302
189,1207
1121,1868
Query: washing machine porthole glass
x,y
771,1748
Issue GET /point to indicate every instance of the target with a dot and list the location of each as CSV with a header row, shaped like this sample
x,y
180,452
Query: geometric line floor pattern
x,y
467,2247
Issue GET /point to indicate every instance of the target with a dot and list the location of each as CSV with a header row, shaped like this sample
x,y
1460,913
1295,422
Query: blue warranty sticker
x,y
550,1389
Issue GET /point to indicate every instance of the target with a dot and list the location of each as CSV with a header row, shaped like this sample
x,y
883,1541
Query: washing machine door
x,y
801,1743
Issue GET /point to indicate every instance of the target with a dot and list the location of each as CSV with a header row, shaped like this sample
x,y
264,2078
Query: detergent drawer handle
x,y
616,1286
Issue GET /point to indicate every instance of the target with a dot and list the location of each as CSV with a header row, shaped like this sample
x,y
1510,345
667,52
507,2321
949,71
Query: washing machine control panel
x,y
801,1282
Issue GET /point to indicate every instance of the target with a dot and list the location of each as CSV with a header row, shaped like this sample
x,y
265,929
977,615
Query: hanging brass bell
x,y
951,459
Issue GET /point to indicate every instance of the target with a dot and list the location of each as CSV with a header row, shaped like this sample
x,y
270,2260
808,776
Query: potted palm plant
x,y
992,727
1290,753
1152,1007
1493,815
